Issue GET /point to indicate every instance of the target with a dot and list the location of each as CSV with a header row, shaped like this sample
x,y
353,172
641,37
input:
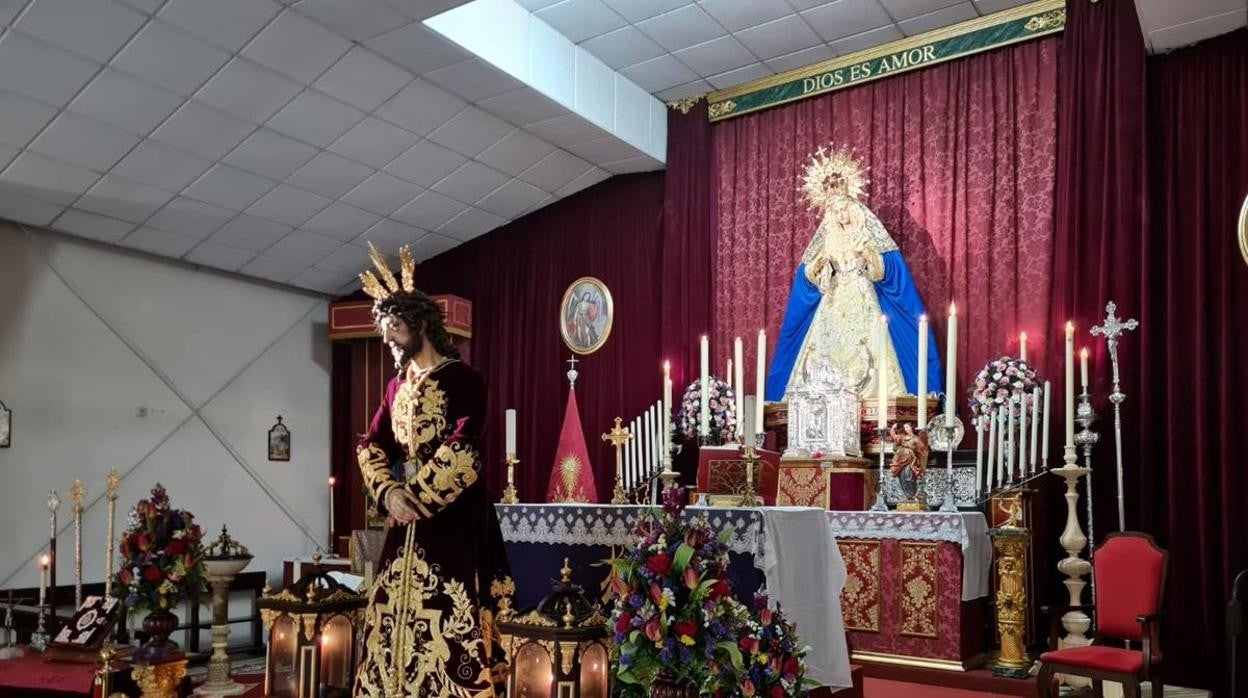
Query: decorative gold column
x,y
159,680
1010,542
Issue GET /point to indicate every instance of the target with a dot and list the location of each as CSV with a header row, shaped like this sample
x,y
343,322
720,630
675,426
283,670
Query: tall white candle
x,y
43,579
1009,439
1070,385
738,352
1022,435
648,449
1022,345
951,371
704,423
628,457
1001,472
1044,431
332,480
728,376
922,371
1083,368
881,376
993,477
760,377
979,452
511,432
665,439
1035,425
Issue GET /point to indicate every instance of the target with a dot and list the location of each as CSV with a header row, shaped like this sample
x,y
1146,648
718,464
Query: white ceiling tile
x,y
1159,14
159,242
432,245
584,181
512,199
382,194
229,187
644,163
844,18
170,57
93,29
939,19
320,280
421,107
689,89
535,5
190,217
429,210
550,199
470,131
227,23
659,73
716,56
272,268
637,10
219,256
1191,32
387,235
82,141
607,149
424,9
329,175
866,40
801,59
122,101
303,247
552,63
523,106
89,225
271,154
286,204
470,182
681,28
351,259
736,15
581,19
623,47
248,90
44,178
296,47
473,79
567,130
7,154
40,71
740,76
24,209
471,223
417,48
906,9
9,10
202,130
779,37
374,142
118,197
989,6
162,166
555,170
425,163
363,79
342,222
21,118
595,90
516,152
247,232
315,118
147,6
357,20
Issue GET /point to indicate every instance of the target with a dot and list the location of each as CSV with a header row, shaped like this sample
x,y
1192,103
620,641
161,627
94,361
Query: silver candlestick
x,y
880,504
943,437
39,638
1111,329
1085,416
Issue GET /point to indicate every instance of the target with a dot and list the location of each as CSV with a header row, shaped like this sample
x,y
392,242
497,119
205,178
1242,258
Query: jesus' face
x,y
403,342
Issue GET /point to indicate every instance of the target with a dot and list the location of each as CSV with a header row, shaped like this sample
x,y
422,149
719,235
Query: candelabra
x,y
944,437
1085,439
509,492
618,437
1110,330
749,496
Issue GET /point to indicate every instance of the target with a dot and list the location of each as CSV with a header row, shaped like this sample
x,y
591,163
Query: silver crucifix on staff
x,y
1110,330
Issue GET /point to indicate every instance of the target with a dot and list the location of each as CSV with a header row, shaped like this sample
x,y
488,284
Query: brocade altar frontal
x,y
539,536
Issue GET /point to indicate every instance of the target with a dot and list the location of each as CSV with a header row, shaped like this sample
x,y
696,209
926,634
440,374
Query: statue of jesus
x,y
850,274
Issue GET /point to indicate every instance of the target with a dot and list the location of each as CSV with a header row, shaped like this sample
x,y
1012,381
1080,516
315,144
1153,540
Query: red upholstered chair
x,y
1130,574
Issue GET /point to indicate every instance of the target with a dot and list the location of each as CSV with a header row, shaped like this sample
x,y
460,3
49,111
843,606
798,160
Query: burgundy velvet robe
x,y
429,627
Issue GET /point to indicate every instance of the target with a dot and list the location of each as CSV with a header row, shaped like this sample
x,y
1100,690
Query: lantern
x,y
312,628
558,650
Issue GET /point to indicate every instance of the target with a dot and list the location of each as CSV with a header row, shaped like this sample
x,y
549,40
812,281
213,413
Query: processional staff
x,y
1111,329
77,494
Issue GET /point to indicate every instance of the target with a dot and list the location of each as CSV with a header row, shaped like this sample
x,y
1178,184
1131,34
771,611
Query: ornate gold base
x,y
509,495
915,505
159,680
619,496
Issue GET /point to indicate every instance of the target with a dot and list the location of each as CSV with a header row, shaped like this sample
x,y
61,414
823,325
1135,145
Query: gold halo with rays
x,y
385,286
830,173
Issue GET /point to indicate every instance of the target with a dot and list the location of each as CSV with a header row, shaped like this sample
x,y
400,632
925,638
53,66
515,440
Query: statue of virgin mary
x,y
850,274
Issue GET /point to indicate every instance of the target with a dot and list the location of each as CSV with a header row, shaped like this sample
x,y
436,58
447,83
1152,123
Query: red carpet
x,y
884,688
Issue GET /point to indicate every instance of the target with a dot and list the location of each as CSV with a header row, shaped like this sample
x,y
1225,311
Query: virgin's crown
x,y
833,173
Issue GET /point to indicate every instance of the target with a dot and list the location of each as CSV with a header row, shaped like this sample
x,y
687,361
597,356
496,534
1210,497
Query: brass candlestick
x,y
509,492
617,437
112,482
749,497
1011,541
77,494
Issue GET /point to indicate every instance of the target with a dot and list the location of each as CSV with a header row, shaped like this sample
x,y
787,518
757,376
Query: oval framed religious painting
x,y
586,315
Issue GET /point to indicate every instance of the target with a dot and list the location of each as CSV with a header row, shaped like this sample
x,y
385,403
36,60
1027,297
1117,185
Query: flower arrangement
x,y
162,556
722,421
998,381
773,659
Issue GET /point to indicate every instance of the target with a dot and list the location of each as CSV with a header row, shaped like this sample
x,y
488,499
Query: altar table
x,y
805,574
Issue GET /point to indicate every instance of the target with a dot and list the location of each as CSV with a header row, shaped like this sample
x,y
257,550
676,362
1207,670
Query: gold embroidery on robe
x,y
440,481
375,469
418,414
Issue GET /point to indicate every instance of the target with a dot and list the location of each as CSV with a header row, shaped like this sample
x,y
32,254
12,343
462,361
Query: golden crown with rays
x,y
382,288
832,173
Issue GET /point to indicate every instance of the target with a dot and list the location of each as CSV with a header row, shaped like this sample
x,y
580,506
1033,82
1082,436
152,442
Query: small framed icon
x,y
279,441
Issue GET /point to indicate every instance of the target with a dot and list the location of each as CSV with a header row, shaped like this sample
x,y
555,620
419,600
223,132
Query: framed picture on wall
x,y
6,425
279,441
586,315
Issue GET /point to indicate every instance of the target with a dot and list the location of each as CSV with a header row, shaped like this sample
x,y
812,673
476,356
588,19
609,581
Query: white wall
x,y
79,326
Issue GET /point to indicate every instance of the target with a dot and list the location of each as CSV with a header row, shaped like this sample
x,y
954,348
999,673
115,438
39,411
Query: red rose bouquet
x,y
162,557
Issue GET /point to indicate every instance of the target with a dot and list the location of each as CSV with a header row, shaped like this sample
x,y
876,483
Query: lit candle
x,y
665,424
704,424
979,451
760,376
951,372
992,451
1083,368
1044,431
881,378
1022,345
43,579
923,371
1035,425
1070,385
332,480
738,350
511,433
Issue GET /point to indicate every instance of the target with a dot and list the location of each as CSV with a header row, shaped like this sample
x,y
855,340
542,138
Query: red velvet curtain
x,y
1192,343
516,277
961,160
